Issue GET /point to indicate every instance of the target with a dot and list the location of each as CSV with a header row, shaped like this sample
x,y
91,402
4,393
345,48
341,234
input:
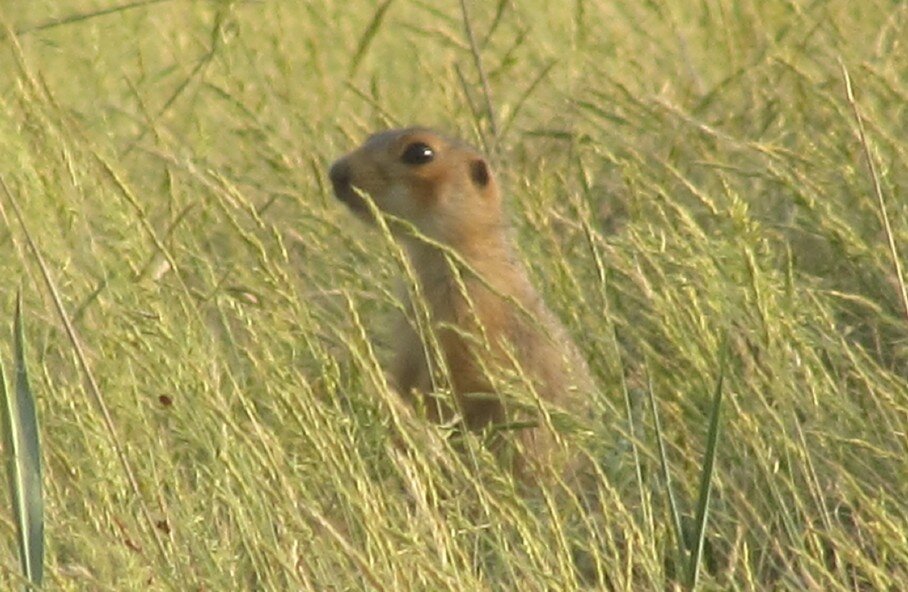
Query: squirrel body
x,y
489,322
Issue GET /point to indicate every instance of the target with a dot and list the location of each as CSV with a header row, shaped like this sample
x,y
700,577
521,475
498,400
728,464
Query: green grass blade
x,y
635,450
23,449
368,35
483,78
76,18
706,478
666,475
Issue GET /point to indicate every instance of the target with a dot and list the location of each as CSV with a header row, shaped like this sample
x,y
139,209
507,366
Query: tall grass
x,y
680,175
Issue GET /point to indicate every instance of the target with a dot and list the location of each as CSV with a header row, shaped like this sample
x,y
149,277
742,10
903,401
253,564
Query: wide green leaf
x,y
23,457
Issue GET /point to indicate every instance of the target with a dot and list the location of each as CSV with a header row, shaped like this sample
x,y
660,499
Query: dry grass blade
x,y
23,446
878,191
94,389
319,522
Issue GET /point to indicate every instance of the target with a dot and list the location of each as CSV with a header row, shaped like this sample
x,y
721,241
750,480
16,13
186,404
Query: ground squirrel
x,y
490,324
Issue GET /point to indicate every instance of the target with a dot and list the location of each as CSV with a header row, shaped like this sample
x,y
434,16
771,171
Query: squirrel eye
x,y
417,153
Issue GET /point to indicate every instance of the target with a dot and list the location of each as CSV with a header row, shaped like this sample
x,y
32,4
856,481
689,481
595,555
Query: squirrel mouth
x,y
353,201
342,182
347,195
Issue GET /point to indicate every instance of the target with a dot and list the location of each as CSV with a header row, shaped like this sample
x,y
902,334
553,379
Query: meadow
x,y
710,194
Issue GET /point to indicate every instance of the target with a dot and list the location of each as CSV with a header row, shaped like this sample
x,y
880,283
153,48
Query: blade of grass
x,y
526,95
706,477
75,18
320,523
477,61
32,495
474,109
198,72
666,475
632,439
23,447
94,389
368,35
878,191
496,20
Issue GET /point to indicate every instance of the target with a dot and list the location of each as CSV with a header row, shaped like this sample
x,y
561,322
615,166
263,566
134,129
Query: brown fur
x,y
483,324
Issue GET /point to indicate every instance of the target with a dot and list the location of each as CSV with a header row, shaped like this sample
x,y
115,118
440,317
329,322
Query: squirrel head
x,y
441,186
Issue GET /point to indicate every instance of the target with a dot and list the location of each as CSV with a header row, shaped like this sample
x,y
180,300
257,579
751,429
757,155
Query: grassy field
x,y
681,175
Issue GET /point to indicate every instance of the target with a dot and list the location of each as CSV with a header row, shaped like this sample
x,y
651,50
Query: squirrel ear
x,y
479,172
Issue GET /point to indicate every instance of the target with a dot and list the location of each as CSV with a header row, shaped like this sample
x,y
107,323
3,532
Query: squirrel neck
x,y
487,252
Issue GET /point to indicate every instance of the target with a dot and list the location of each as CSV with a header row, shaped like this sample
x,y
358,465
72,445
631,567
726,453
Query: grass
x,y
23,459
680,175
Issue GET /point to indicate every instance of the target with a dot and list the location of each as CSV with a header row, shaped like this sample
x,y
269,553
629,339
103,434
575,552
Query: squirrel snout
x,y
340,176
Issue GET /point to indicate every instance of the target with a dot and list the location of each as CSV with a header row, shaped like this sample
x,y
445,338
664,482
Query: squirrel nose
x,y
340,175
